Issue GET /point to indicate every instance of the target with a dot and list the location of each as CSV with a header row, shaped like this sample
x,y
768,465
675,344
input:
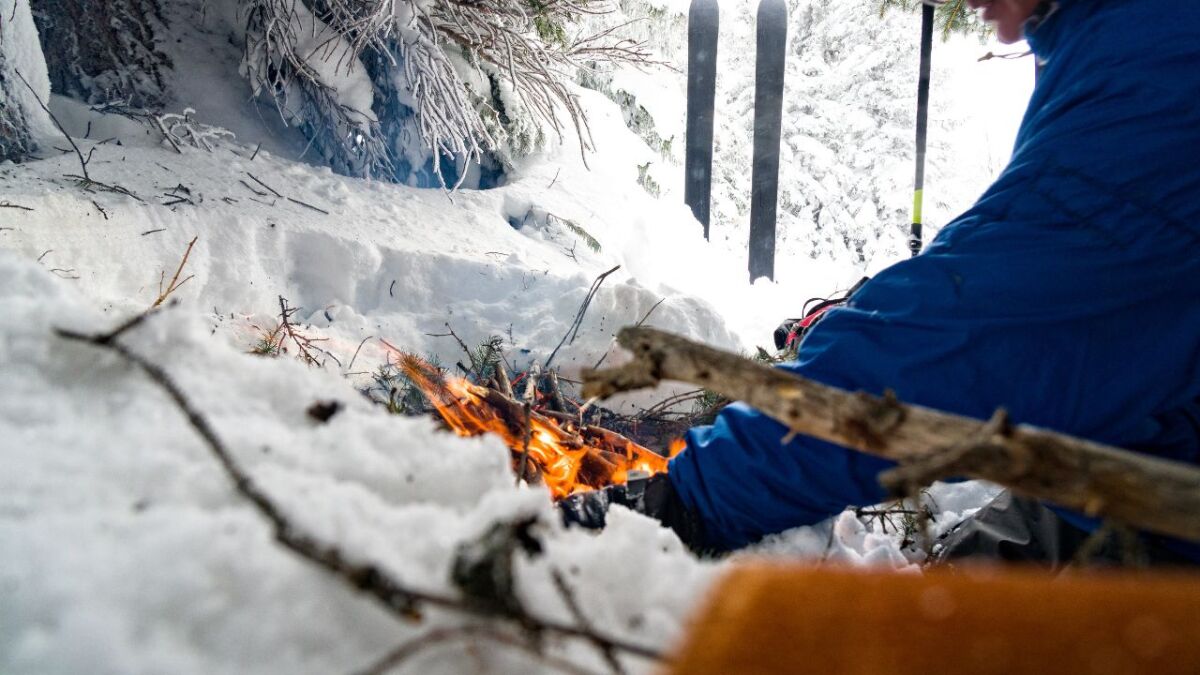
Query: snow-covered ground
x,y
123,548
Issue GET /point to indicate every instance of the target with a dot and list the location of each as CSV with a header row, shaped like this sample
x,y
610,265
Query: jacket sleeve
x,y
1067,294
1036,315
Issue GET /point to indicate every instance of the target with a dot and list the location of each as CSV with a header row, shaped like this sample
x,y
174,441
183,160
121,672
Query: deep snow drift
x,y
125,550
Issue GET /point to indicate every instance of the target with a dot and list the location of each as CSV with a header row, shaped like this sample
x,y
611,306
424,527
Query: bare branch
x,y
1098,480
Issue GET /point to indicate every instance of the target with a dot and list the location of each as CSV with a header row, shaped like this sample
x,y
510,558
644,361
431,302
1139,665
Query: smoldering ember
x,y
603,336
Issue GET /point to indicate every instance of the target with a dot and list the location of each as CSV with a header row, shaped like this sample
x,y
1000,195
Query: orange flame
x,y
568,458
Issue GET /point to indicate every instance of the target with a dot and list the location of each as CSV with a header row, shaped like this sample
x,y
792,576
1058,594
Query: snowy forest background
x,y
394,170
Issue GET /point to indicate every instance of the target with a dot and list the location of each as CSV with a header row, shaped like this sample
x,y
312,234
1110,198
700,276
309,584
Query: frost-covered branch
x,y
317,84
480,78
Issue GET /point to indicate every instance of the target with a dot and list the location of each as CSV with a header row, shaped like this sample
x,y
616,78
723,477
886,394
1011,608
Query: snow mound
x,y
126,550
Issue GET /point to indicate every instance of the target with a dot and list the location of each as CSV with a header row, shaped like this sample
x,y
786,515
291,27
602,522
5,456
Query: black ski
x,y
768,118
703,24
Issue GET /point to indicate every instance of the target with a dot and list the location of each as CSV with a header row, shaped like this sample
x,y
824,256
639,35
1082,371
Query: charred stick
x,y
525,449
556,397
503,384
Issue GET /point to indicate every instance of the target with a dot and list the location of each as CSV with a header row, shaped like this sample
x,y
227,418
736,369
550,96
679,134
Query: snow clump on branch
x,y
406,85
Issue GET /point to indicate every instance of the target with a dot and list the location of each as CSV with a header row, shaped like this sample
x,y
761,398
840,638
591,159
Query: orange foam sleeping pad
x,y
780,619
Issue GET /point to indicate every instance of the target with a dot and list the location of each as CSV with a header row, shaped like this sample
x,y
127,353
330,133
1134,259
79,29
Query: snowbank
x,y
125,550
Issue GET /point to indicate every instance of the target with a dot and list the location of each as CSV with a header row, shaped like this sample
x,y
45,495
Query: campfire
x,y
551,448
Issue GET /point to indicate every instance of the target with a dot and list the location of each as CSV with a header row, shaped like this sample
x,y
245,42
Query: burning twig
x,y
569,459
574,329
163,294
402,601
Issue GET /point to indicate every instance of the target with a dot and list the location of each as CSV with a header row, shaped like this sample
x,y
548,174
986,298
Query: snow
x,y
23,53
125,550
332,59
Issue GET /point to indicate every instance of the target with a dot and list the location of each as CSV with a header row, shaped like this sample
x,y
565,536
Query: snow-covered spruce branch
x,y
296,60
524,44
1142,491
471,71
402,601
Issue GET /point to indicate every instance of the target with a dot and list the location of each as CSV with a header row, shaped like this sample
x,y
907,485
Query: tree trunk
x,y
22,120
1099,480
104,51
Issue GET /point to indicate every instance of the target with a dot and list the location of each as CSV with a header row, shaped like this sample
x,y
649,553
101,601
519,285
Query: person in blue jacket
x,y
1069,294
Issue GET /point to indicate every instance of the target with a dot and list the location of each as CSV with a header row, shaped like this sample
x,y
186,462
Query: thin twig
x,y
572,603
307,205
463,345
401,601
7,205
163,294
356,351
636,325
264,185
437,636
247,186
573,330
78,153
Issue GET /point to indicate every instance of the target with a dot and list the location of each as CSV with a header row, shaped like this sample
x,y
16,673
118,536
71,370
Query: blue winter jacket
x,y
1069,294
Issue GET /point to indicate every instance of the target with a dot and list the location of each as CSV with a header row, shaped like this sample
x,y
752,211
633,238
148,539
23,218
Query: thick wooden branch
x,y
1099,480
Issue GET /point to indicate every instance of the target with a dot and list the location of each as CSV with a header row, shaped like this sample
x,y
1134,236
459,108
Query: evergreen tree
x,y
99,52
22,83
953,16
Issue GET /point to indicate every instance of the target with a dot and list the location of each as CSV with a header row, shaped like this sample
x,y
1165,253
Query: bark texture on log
x,y
1098,480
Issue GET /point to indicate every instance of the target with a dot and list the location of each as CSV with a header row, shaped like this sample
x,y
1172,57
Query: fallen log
x,y
1099,480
